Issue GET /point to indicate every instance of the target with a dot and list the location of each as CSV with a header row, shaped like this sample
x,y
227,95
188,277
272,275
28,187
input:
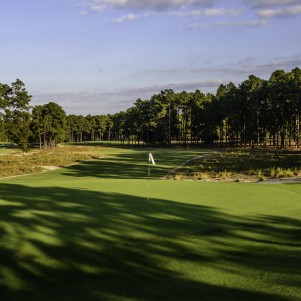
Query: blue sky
x,y
99,56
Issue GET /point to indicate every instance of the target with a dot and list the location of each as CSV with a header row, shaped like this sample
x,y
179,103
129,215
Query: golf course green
x,y
101,230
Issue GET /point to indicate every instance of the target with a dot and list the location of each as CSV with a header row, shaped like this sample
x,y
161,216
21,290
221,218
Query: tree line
x,y
23,124
255,113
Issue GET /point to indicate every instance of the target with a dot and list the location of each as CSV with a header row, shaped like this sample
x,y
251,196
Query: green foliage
x,y
3,136
37,124
280,172
256,113
17,127
261,177
14,101
49,124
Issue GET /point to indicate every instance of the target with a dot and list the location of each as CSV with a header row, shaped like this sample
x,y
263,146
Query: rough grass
x,y
240,166
25,163
88,232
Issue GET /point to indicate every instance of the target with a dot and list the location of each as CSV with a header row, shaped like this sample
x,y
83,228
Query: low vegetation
x,y
240,166
18,163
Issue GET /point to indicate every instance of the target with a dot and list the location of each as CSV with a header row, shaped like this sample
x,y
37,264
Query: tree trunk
x,y
45,140
297,130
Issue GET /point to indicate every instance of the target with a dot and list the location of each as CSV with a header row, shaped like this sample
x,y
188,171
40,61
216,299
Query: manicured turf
x,y
88,232
6,148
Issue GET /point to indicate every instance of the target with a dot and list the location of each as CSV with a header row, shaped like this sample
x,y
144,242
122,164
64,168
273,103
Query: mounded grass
x,y
251,165
89,232
32,162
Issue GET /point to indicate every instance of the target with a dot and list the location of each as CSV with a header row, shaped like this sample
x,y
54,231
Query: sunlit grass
x,y
18,163
241,166
89,232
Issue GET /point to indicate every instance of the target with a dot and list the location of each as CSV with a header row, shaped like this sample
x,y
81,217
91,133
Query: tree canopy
x,y
254,113
14,103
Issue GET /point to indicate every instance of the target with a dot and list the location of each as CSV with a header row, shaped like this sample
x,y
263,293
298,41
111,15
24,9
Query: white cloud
x,y
187,86
125,18
193,26
98,8
251,23
283,63
207,12
265,9
270,3
151,5
83,12
221,12
112,101
250,66
245,66
192,13
291,11
267,13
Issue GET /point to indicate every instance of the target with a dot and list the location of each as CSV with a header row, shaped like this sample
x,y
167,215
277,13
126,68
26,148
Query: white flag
x,y
151,159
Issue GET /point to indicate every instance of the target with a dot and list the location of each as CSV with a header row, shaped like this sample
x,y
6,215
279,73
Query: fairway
x,y
6,148
89,232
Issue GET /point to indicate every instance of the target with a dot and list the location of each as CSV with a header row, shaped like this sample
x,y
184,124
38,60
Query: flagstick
x,y
148,181
150,161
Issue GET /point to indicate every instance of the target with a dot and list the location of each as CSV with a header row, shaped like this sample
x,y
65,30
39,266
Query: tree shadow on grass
x,y
70,244
132,165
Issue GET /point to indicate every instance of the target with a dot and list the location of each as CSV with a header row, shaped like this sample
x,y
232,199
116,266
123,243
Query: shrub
x,y
261,177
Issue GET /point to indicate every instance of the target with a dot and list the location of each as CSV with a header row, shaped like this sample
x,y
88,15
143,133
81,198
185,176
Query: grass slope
x,y
88,232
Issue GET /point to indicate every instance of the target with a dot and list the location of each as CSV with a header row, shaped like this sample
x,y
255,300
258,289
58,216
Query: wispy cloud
x,y
270,3
83,12
198,9
112,101
246,66
251,66
96,102
170,5
221,12
282,63
151,5
98,7
193,26
191,13
147,91
287,12
125,18
181,86
264,9
210,12
249,23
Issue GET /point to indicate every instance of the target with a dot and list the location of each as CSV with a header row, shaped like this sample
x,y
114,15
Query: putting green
x,y
89,232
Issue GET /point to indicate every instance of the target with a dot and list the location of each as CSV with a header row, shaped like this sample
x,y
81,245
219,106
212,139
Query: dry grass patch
x,y
240,166
41,160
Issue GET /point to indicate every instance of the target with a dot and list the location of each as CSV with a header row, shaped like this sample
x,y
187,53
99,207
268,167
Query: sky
x,y
99,56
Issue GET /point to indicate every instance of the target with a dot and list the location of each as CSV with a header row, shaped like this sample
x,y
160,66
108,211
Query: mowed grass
x,y
89,232
8,148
